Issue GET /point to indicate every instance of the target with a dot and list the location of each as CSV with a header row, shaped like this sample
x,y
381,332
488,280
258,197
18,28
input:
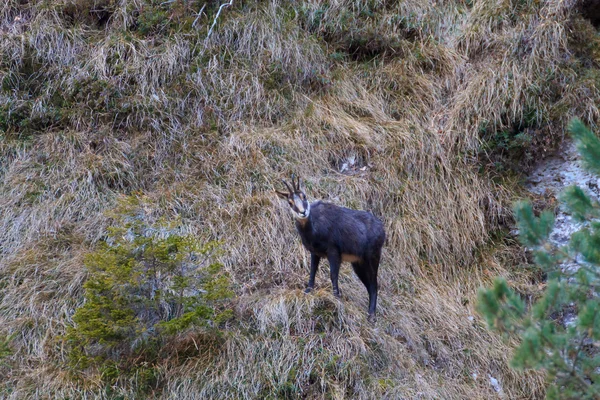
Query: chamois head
x,y
296,199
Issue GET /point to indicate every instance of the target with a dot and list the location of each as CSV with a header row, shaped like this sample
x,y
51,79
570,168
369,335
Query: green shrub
x,y
147,283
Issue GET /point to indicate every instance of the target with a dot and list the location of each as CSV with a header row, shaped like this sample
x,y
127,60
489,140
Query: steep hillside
x,y
422,112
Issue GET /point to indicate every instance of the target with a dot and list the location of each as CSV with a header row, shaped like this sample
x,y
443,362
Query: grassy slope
x,y
127,97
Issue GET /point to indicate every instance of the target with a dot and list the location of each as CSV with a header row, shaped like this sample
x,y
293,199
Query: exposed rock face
x,y
551,177
554,175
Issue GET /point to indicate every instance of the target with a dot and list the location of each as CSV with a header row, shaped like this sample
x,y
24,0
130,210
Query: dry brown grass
x,y
207,128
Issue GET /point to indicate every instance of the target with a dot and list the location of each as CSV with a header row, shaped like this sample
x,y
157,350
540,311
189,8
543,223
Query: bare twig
x,y
224,5
198,15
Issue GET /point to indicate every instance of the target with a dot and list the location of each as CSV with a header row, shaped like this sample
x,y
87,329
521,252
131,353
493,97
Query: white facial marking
x,y
301,207
299,203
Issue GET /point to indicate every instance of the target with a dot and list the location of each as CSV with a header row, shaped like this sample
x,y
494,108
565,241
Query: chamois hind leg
x,y
372,288
359,269
365,273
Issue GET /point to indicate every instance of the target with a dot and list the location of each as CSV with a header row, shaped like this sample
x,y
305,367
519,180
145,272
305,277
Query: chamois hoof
x,y
337,294
371,318
308,290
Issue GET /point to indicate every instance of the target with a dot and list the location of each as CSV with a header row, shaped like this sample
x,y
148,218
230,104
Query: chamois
x,y
340,234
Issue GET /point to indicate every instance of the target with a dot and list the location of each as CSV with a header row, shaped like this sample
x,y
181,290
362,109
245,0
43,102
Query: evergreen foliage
x,y
147,283
568,350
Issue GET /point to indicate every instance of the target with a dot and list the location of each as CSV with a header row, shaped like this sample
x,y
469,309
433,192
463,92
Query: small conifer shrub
x,y
568,350
147,284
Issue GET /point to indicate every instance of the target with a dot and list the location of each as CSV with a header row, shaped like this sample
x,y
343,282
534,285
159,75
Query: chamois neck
x,y
302,221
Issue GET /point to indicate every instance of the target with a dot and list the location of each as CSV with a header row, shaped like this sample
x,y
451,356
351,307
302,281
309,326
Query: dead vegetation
x,y
102,98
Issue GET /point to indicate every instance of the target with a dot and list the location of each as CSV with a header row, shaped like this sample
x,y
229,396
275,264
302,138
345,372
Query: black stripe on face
x,y
299,205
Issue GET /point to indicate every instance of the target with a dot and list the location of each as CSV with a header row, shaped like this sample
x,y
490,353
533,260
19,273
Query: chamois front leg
x,y
314,266
334,259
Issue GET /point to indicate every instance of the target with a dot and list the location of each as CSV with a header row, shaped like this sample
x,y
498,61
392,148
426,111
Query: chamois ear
x,y
281,194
